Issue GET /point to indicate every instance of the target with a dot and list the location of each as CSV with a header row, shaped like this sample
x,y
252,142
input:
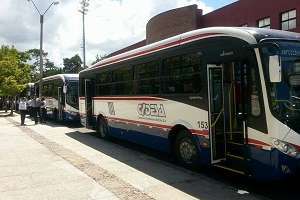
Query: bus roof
x,y
30,84
250,35
63,77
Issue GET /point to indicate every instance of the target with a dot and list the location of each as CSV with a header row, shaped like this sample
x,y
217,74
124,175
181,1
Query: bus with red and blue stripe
x,y
223,96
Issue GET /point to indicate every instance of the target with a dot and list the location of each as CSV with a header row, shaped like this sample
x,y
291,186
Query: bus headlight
x,y
286,148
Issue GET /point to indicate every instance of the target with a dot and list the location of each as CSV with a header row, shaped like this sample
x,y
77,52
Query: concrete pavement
x,y
28,170
70,163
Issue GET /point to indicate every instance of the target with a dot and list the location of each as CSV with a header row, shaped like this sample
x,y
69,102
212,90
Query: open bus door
x,y
60,103
216,113
227,89
89,102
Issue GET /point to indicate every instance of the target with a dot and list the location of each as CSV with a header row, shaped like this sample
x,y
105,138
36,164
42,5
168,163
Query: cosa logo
x,y
153,110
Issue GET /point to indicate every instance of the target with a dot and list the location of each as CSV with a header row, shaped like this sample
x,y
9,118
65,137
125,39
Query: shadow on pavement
x,y
204,183
6,114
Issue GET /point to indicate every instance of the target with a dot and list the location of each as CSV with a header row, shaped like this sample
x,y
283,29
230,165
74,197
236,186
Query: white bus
x,y
226,97
61,94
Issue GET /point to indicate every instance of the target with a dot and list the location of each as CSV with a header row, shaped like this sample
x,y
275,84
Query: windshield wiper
x,y
298,98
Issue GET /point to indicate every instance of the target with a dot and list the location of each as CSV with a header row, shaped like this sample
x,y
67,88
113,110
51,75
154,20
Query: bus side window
x,y
147,78
123,81
182,74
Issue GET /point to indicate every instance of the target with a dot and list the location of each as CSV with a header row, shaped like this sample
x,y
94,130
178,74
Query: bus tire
x,y
185,149
102,128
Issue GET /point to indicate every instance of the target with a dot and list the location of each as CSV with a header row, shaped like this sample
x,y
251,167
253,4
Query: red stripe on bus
x,y
140,122
127,98
199,132
195,132
130,98
257,142
175,43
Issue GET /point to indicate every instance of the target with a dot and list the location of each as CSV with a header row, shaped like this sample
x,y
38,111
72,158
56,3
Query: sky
x,y
110,24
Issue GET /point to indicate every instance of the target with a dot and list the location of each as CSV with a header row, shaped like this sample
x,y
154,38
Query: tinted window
x,y
147,78
182,74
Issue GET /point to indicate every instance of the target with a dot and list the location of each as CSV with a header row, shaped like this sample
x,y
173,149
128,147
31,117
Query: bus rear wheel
x,y
102,128
186,149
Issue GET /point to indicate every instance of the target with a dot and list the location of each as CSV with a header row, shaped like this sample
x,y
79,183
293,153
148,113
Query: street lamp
x,y
41,39
83,11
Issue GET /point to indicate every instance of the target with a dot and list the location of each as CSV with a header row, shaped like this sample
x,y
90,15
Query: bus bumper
x,y
284,165
72,117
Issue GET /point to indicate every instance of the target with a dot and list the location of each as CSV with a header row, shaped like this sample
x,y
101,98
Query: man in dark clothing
x,y
43,110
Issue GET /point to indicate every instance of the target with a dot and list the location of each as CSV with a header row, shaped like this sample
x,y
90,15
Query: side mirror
x,y
275,69
65,89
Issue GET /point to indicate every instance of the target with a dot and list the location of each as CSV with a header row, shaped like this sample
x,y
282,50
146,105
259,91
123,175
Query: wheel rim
x,y
187,150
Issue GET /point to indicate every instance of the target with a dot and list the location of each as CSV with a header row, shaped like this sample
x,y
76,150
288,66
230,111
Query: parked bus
x,y
61,94
224,97
29,90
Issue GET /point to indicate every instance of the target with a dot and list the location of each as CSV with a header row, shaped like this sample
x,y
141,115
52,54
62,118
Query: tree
x,y
14,72
49,68
72,65
34,55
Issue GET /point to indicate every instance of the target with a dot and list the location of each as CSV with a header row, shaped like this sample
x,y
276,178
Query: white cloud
x,y
110,24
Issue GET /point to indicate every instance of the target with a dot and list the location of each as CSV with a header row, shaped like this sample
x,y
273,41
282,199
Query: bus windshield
x,y
72,94
284,96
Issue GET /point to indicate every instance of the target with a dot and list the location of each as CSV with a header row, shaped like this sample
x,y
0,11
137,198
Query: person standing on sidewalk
x,y
43,110
23,110
30,112
35,109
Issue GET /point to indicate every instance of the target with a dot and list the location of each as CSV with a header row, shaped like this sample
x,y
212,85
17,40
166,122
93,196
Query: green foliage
x,y
14,72
72,65
49,68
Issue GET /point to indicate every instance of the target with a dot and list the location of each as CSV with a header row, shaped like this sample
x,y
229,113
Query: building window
x,y
288,20
264,23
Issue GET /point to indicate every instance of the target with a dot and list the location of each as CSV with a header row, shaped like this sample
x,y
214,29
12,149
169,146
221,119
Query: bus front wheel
x,y
102,128
185,149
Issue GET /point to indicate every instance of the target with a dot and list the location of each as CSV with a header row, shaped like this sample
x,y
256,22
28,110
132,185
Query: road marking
x,y
107,180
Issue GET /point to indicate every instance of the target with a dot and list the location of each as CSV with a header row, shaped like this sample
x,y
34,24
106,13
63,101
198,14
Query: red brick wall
x,y
250,11
172,23
128,48
189,18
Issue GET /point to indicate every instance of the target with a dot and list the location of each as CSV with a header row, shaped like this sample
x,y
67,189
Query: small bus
x,y
227,97
61,94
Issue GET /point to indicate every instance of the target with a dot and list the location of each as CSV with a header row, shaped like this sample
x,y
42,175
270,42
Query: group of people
x,y
35,107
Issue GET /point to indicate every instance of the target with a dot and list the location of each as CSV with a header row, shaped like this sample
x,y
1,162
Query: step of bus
x,y
234,164
237,149
222,166
235,138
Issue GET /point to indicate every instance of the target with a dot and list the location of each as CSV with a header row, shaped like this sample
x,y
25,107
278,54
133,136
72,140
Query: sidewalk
x,y
28,170
52,161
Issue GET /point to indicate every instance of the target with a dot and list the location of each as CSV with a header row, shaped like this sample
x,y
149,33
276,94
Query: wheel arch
x,y
173,133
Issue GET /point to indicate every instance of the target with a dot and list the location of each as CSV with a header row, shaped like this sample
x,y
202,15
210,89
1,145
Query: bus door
x,y
235,81
216,113
60,102
89,102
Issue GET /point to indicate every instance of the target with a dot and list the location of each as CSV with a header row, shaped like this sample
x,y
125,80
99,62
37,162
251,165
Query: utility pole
x,y
41,40
83,10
